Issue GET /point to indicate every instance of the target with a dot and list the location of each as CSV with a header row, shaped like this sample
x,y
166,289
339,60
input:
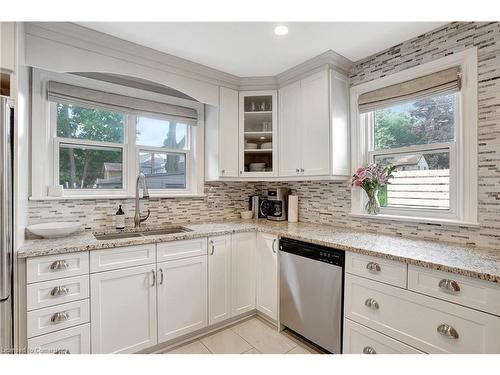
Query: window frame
x,y
463,150
45,142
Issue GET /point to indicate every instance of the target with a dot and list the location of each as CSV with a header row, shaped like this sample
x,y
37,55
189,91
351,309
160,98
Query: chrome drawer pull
x,y
213,247
62,351
448,331
274,242
450,286
373,267
59,291
59,317
369,350
371,303
59,265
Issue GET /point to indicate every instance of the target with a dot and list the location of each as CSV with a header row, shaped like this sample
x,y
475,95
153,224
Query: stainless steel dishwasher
x,y
311,292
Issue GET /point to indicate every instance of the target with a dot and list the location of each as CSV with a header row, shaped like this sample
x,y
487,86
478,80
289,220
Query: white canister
x,y
293,208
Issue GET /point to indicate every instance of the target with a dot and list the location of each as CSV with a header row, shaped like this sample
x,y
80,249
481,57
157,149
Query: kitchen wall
x,y
329,202
222,201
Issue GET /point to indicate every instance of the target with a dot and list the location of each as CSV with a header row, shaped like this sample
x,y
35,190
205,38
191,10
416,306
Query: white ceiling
x,y
249,49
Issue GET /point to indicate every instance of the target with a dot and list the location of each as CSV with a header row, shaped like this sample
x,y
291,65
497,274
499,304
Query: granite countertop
x,y
473,262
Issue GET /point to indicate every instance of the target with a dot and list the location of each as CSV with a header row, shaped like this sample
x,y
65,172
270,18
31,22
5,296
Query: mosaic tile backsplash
x,y
329,202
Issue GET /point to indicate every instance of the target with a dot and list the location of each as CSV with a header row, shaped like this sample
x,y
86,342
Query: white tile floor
x,y
252,336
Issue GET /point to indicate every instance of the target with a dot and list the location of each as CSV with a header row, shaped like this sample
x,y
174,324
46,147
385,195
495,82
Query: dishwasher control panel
x,y
311,251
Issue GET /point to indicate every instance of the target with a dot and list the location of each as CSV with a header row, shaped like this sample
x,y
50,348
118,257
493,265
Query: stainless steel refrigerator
x,y
6,225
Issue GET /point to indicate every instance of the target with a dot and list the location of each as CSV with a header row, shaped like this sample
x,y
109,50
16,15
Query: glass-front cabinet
x,y
258,134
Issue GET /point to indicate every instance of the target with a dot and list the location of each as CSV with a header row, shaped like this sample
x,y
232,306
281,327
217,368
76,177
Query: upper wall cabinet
x,y
258,133
7,56
313,129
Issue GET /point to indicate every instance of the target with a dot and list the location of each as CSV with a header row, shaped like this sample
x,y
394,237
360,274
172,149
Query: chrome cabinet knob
x,y
302,169
447,331
62,351
371,303
223,171
369,350
297,170
59,265
59,317
373,267
59,291
449,286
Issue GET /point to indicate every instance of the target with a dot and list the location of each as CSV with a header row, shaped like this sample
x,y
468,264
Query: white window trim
x,y
465,164
44,141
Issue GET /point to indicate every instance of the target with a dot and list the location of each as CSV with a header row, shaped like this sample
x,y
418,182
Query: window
x,y
418,138
163,148
424,121
90,147
97,142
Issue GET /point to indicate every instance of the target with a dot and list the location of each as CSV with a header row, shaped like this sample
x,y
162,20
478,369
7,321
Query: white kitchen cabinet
x,y
314,126
289,130
182,297
242,272
219,278
258,124
267,275
228,132
123,309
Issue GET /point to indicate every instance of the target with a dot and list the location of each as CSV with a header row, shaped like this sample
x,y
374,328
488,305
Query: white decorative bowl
x,y
246,214
55,230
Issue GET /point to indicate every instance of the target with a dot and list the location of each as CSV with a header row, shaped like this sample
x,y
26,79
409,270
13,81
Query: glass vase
x,y
372,205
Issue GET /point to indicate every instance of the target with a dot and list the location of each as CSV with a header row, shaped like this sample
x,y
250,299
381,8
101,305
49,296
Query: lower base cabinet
x,y
182,297
75,340
219,279
267,275
359,339
242,273
123,310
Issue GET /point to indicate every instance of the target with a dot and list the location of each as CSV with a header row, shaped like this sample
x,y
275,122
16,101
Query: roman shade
x,y
443,82
69,94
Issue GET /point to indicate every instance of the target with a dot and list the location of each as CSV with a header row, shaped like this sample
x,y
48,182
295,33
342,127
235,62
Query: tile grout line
x,y
237,334
206,347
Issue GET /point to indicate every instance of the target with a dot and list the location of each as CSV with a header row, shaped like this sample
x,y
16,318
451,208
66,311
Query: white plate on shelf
x,y
266,145
55,229
257,167
251,146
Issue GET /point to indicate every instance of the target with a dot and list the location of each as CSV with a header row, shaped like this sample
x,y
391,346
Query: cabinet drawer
x,y
181,249
359,339
74,340
56,266
478,294
122,257
55,292
57,317
383,270
426,323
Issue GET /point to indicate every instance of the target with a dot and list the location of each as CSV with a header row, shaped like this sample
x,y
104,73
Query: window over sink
x,y
102,139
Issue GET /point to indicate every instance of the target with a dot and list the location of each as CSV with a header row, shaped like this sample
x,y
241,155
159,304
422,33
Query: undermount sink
x,y
154,232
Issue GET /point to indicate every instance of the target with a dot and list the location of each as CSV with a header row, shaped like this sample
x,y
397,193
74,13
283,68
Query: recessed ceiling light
x,y
281,30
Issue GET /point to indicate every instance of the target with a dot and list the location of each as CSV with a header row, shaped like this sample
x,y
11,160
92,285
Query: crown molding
x,y
78,36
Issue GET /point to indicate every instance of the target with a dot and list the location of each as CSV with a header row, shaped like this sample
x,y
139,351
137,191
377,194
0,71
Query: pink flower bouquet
x,y
371,178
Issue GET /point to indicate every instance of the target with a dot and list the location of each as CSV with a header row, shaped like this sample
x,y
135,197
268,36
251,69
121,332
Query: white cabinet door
x,y
182,297
228,132
7,46
123,310
267,275
289,130
219,278
242,273
315,125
